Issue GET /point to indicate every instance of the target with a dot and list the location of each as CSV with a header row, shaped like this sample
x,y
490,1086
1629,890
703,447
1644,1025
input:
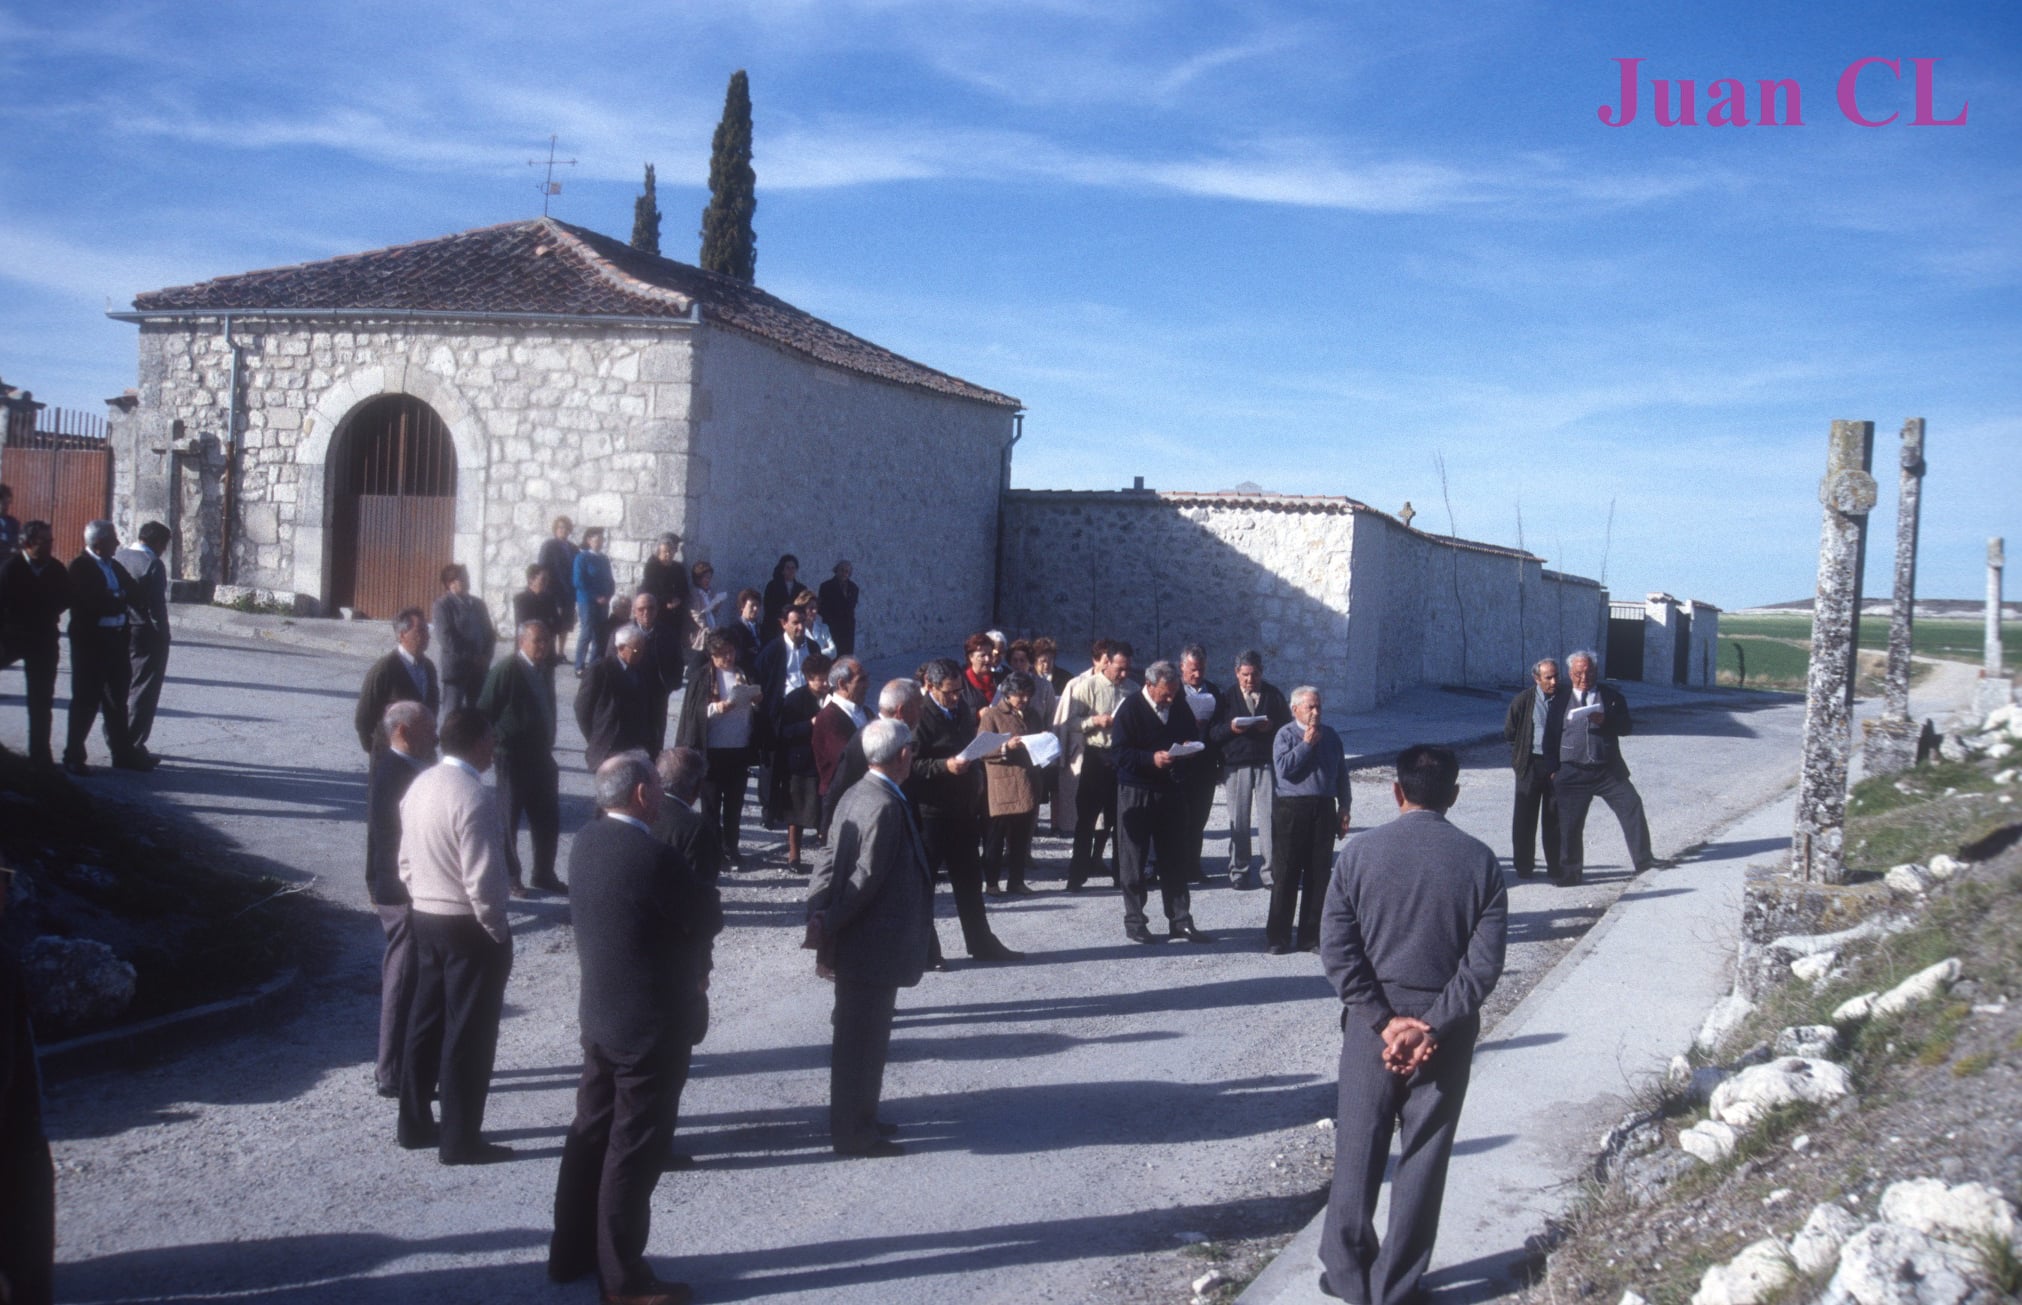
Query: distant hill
x,y
1934,609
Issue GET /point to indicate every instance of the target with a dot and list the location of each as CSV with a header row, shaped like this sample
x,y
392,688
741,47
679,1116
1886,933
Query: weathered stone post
x,y
1891,742
1848,494
1995,690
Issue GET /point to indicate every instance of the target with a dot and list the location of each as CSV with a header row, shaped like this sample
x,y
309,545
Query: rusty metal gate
x,y
394,519
61,473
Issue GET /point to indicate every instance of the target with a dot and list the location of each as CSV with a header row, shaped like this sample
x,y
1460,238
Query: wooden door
x,y
394,519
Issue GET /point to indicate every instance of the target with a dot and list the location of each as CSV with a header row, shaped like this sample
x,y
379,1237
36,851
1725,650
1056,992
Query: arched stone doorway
x,y
393,506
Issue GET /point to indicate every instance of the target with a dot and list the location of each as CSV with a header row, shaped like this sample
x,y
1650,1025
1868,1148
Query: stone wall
x,y
587,421
803,458
1332,593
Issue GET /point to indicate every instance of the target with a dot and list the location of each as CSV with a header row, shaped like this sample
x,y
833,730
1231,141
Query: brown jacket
x,y
1013,782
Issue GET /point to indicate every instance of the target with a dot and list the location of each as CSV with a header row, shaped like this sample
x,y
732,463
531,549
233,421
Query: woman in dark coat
x,y
781,590
796,778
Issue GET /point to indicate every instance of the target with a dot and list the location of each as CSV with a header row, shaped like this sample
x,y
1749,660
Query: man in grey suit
x,y
1412,940
876,933
148,626
410,749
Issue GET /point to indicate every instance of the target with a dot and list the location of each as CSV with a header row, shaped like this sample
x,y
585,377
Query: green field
x,y
1958,641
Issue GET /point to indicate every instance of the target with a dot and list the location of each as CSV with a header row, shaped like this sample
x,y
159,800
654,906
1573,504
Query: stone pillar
x,y
1891,742
1848,495
1995,690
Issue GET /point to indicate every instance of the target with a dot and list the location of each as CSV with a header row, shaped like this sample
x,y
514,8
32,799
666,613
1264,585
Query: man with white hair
x,y
1309,810
641,918
1157,741
875,932
614,704
409,730
101,671
1591,766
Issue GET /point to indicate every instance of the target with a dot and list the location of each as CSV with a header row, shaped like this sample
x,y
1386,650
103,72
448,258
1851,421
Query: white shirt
x,y
850,709
1164,713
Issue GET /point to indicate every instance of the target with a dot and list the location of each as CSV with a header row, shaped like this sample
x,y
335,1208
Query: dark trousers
x,y
460,691
723,786
1007,848
1148,823
147,659
530,785
1577,787
38,668
1094,796
612,1161
99,675
1200,804
1424,1112
452,1029
955,844
1534,795
1302,861
856,1071
396,993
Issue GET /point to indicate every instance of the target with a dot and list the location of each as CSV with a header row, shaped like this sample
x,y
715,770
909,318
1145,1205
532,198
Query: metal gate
x,y
1625,641
394,523
60,473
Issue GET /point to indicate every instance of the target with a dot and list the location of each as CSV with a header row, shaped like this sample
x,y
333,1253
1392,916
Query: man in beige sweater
x,y
452,860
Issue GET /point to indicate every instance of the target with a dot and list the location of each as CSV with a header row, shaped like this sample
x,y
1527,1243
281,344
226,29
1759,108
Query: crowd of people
x,y
951,772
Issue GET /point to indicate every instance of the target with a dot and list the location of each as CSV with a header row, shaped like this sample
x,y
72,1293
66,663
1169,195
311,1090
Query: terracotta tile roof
x,y
548,268
1236,498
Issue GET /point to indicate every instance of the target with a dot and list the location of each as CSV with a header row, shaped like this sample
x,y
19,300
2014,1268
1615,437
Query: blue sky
x,y
1316,246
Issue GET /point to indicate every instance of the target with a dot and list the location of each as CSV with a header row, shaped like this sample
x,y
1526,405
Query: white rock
x,y
1631,1298
1919,987
1723,1020
1946,866
1324,1125
1959,1214
1751,1276
2000,750
1754,1092
1815,968
1801,1143
1908,880
1816,1246
1887,1264
1810,944
1819,1041
1207,1282
1855,1009
2006,776
1709,1141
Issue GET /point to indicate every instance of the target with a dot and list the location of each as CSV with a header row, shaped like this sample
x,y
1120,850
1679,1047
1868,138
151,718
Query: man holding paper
x,y
946,786
1591,766
1156,740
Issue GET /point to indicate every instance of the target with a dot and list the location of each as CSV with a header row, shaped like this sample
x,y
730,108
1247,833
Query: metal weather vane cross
x,y
548,186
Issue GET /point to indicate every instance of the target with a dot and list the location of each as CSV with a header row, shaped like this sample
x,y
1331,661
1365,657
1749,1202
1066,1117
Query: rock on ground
x,y
76,982
1888,1264
1788,1080
1816,1247
1958,1214
1752,1276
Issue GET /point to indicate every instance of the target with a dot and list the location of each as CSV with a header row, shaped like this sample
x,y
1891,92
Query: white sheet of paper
x,y
1250,722
1579,713
984,744
1186,749
1203,704
1043,749
740,694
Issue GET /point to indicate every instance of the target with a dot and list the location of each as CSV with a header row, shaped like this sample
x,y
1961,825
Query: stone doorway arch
x,y
392,482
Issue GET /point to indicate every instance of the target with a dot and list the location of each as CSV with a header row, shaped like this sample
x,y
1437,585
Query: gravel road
x,y
1068,1118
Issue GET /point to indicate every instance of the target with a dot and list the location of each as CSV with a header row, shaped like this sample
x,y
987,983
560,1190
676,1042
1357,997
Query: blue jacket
x,y
593,576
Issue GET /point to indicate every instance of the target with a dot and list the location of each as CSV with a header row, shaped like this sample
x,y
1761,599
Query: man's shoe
x,y
517,889
1075,883
1327,1288
938,964
882,1149
1019,888
1191,934
1572,879
992,950
887,1130
560,1271
426,1141
1526,874
551,885
1137,933
484,1153
390,1093
992,889
653,1293
76,768
1277,949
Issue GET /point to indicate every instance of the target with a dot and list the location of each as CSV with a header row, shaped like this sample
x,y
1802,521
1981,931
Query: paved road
x,y
1064,1115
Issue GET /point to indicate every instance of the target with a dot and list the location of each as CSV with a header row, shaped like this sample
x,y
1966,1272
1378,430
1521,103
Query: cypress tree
x,y
728,244
646,218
